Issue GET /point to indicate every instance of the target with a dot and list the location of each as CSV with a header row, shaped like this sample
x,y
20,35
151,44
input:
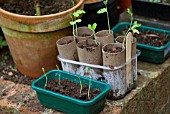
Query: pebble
x,y
10,73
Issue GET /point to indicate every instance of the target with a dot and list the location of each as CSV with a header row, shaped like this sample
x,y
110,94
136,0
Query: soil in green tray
x,y
27,7
72,89
151,38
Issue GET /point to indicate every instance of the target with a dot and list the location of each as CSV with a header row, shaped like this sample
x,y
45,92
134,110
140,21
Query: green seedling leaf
x,y
78,13
103,10
72,23
78,21
92,27
135,31
136,24
129,12
105,2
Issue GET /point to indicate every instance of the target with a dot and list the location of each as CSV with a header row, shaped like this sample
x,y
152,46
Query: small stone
x,y
10,74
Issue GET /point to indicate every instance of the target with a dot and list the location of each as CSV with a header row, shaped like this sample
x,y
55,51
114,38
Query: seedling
x,y
76,15
89,82
80,84
93,28
2,42
105,10
45,77
133,25
59,75
37,7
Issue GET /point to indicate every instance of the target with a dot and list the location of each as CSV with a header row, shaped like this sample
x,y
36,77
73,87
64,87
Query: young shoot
x,y
80,84
72,2
37,7
73,23
89,83
93,28
133,26
105,10
76,15
59,75
45,77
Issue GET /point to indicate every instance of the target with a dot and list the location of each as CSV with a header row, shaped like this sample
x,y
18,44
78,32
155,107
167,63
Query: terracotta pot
x,y
104,37
113,59
120,40
123,4
67,43
82,33
92,57
32,39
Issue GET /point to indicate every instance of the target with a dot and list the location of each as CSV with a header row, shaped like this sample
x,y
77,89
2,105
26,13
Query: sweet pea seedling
x,y
59,75
80,84
76,15
37,7
105,10
133,25
89,83
93,28
45,77
74,22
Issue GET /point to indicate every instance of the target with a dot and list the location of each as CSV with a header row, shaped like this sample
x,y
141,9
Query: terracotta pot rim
x,y
102,31
65,38
85,41
80,2
103,51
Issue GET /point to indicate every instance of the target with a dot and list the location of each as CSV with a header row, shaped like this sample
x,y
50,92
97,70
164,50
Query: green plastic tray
x,y
68,104
149,53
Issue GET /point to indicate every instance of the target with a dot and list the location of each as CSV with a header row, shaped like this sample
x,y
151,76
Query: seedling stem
x,y
89,82
45,77
37,7
80,84
59,75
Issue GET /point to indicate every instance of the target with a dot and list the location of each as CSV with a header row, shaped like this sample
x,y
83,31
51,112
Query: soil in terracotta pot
x,y
151,38
72,89
27,7
89,47
114,50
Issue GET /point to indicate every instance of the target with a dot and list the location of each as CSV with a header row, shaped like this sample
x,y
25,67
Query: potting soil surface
x,y
151,38
27,7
